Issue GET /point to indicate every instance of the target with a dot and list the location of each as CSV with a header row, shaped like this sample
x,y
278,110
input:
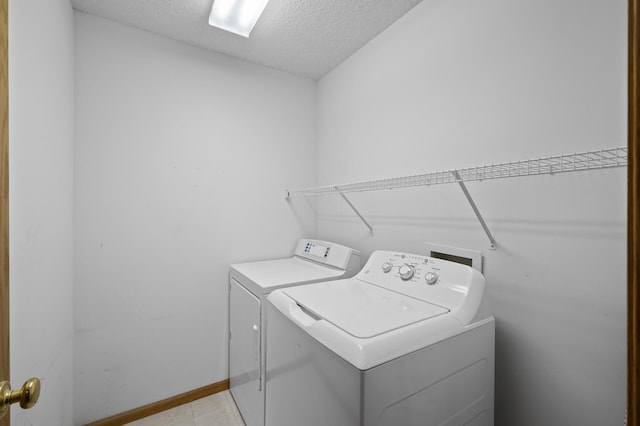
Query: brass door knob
x,y
27,395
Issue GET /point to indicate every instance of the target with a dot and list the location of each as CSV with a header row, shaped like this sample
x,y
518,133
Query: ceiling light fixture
x,y
236,16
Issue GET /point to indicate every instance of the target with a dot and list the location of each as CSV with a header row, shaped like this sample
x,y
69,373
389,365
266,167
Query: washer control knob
x,y
431,277
406,271
386,267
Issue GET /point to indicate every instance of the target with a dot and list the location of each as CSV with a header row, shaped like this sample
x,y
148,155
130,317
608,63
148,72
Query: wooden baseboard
x,y
165,404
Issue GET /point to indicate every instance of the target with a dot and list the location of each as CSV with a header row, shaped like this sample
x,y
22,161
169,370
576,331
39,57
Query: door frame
x,y
4,196
633,211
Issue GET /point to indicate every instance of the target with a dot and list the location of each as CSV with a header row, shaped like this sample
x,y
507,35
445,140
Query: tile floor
x,y
215,410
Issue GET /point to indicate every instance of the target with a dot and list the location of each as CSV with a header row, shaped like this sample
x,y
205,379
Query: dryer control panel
x,y
441,282
317,249
328,253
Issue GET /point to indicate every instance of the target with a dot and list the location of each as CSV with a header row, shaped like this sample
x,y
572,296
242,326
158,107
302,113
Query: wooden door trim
x,y
633,226
4,195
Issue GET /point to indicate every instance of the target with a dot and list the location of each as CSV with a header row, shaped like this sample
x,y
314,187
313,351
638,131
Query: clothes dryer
x,y
249,285
408,341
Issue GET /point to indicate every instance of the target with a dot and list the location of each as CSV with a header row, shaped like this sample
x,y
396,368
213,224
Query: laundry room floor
x,y
214,410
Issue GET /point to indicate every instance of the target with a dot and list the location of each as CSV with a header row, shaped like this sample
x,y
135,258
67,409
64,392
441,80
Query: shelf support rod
x,y
475,210
356,211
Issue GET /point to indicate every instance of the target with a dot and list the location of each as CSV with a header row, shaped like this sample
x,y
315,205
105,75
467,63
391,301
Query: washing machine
x,y
249,285
408,341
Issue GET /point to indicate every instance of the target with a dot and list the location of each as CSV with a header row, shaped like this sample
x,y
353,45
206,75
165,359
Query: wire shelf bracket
x,y
358,213
492,240
588,160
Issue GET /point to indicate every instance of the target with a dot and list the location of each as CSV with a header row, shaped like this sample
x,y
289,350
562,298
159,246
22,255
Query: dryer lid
x,y
268,275
361,309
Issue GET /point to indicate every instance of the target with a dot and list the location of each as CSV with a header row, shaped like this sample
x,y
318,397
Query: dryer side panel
x,y
244,353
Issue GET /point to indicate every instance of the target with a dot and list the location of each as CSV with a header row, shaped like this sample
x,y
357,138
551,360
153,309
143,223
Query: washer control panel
x,y
409,266
431,279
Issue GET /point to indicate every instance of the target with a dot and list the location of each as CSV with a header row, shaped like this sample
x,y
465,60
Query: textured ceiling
x,y
305,37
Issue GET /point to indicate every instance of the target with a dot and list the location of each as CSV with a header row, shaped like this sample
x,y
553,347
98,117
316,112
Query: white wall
x,y
182,159
460,83
41,205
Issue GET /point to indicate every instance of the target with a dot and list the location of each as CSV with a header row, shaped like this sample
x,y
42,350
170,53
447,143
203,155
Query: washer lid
x,y
361,309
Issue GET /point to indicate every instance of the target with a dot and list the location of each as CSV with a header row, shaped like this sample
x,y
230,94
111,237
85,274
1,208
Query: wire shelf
x,y
599,159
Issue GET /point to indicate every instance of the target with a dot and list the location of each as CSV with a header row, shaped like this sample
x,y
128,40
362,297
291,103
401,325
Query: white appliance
x,y
249,285
408,341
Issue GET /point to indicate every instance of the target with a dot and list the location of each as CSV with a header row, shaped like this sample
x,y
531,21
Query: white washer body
x,y
380,349
249,286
